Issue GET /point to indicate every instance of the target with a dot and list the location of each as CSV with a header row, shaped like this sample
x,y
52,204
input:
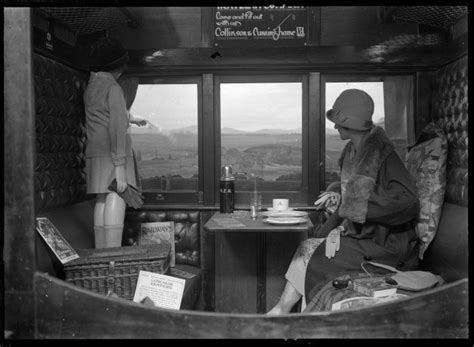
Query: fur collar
x,y
374,149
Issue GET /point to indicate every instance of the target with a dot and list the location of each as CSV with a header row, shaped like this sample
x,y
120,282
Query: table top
x,y
242,221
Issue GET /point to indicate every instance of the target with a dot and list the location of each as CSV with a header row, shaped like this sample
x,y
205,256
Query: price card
x,y
164,291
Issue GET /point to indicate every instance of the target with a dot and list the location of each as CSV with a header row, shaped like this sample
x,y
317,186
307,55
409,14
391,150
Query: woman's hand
x,y
121,178
138,121
328,201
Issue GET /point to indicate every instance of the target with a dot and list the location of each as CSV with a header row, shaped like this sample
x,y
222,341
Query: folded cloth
x,y
131,195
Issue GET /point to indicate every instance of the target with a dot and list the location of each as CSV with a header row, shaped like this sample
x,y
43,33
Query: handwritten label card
x,y
164,291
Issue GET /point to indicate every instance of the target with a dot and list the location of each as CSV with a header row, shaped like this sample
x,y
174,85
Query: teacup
x,y
280,204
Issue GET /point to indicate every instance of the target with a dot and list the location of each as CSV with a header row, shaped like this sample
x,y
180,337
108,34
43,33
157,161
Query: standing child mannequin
x,y
109,153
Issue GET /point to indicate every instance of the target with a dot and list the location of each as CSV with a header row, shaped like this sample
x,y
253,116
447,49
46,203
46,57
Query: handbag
x,y
413,281
132,196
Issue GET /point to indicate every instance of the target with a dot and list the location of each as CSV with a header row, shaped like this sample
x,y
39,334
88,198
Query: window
x,y
167,148
272,129
261,133
393,107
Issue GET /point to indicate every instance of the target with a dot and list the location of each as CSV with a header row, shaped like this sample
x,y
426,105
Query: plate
x,y
275,210
278,214
286,221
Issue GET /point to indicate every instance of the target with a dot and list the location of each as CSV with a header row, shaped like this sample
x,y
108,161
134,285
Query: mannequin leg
x,y
114,215
99,235
287,300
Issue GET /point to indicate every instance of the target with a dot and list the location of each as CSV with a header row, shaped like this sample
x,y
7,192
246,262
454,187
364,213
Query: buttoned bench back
x,y
75,223
187,230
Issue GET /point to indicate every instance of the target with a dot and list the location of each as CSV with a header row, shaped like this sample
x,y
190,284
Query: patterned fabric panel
x,y
426,163
186,232
450,112
60,134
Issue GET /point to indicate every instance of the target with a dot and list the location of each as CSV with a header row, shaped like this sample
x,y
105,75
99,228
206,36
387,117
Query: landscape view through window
x,y
261,133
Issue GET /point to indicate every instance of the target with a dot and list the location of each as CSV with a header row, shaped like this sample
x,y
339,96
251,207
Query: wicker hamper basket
x,y
116,269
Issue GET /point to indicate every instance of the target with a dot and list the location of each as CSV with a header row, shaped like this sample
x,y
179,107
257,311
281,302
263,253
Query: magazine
x,y
374,286
364,301
55,241
159,233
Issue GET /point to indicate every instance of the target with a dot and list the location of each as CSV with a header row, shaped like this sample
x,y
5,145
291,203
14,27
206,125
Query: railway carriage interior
x,y
246,87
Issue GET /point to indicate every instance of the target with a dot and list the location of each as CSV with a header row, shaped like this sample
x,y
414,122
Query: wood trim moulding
x,y
341,57
295,55
19,261
62,309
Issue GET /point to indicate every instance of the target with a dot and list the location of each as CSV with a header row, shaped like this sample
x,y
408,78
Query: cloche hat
x,y
107,54
352,109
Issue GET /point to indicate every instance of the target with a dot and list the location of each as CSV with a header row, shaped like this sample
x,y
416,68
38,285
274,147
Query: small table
x,y
251,259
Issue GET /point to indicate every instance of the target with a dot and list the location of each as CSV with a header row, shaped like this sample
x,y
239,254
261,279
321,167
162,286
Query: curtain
x,y
398,107
129,86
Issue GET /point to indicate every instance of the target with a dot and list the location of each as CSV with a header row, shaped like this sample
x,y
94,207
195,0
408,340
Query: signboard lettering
x,y
260,26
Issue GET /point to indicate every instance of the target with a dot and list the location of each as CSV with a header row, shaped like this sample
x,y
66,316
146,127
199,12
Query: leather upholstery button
x,y
400,264
368,258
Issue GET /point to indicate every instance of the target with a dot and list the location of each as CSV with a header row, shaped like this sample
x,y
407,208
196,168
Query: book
x,y
159,233
160,290
55,241
364,301
374,286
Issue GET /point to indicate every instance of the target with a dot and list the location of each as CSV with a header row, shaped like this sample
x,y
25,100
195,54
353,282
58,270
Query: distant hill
x,y
192,129
232,131
278,131
148,129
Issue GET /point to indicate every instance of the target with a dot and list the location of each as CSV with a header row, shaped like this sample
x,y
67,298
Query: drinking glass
x,y
256,200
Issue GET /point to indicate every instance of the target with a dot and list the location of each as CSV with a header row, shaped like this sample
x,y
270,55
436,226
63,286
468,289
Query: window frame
x,y
209,136
297,198
158,196
354,78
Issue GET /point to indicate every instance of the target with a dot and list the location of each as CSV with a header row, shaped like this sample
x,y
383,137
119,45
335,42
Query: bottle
x,y
227,190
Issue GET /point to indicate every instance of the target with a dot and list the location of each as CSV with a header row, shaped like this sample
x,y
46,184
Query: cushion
x,y
426,162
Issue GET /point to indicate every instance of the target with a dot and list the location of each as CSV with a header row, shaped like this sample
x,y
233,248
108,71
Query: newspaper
x,y
164,291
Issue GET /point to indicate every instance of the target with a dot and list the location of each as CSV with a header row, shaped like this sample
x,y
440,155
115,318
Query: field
x,y
269,156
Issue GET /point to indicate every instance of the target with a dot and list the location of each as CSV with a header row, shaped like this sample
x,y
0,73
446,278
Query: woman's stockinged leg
x,y
288,299
295,276
114,215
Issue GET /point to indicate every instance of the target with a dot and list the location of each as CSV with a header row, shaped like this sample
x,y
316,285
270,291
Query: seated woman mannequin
x,y
109,153
375,220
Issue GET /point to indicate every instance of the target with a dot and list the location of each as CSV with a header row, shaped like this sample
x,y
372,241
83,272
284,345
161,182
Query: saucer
x,y
286,213
271,209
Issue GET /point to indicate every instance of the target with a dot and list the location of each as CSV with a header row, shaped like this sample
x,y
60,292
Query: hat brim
x,y
350,123
124,59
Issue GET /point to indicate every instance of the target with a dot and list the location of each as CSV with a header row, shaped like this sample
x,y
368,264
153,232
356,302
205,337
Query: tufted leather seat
x,y
186,228
187,245
450,111
60,134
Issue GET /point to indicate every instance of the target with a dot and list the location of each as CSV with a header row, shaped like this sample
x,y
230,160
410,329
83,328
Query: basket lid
x,y
127,253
